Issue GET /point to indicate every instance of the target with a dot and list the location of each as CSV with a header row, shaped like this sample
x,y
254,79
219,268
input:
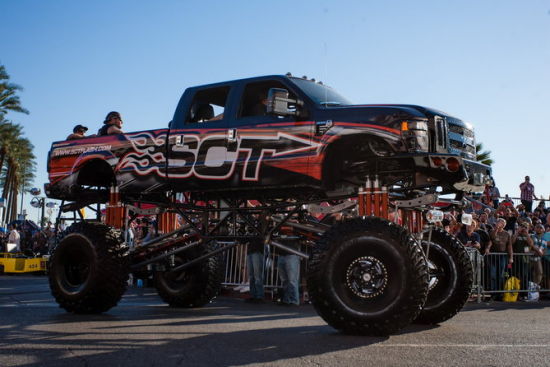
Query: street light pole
x,y
22,195
43,205
39,203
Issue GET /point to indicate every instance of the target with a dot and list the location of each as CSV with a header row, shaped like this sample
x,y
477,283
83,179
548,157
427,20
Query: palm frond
x,y
483,156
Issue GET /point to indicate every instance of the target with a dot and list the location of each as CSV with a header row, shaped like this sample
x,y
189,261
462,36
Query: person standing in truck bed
x,y
111,125
79,132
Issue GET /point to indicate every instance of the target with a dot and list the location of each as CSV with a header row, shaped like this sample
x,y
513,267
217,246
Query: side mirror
x,y
278,103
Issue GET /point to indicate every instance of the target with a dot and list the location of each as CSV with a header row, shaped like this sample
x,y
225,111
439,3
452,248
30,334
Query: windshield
x,y
321,94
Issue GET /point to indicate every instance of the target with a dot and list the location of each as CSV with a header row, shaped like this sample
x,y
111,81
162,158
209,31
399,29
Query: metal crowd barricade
x,y
490,272
236,273
477,264
236,270
517,201
493,270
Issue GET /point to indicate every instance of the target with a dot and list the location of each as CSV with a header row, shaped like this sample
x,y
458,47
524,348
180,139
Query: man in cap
x,y
79,132
111,125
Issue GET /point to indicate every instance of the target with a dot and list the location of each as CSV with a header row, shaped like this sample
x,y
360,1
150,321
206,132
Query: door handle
x,y
177,140
232,135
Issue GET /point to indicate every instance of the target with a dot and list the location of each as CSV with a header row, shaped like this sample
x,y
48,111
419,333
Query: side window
x,y
254,99
208,105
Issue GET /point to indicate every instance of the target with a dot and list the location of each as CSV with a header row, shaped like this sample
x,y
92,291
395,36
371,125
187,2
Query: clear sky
x,y
487,62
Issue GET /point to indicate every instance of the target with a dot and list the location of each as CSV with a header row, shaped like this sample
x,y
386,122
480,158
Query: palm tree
x,y
18,174
17,161
9,133
9,101
483,157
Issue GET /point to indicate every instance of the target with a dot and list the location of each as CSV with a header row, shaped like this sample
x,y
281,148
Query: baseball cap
x,y
79,127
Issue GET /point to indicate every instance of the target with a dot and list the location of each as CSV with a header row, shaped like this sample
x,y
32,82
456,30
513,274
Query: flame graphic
x,y
147,156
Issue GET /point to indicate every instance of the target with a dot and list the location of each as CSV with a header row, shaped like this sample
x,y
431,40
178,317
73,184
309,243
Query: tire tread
x,y
111,279
464,280
319,290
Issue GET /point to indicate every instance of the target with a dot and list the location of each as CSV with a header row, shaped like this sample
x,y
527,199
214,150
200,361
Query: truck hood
x,y
378,114
460,135
396,110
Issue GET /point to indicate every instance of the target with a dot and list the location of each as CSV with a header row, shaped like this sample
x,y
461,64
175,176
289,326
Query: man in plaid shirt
x,y
527,194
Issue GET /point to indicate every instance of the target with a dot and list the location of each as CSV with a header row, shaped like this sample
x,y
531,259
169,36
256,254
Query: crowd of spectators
x,y
29,240
142,230
514,239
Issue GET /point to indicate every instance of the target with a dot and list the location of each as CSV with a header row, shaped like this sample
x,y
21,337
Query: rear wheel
x,y
88,270
451,277
194,286
367,276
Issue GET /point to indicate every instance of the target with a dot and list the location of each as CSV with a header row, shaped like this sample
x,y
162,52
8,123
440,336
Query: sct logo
x,y
215,157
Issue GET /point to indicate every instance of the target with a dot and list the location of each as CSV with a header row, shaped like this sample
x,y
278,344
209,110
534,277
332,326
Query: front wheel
x,y
451,277
367,276
88,270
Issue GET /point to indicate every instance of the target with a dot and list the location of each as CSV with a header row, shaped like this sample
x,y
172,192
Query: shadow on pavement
x,y
505,306
142,331
162,336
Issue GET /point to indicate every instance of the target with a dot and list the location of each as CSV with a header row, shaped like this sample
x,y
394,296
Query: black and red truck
x,y
281,146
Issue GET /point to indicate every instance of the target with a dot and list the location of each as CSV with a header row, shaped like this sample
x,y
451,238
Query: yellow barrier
x,y
17,264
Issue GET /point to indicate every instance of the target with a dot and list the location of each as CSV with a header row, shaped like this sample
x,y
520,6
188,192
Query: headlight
x,y
414,125
415,135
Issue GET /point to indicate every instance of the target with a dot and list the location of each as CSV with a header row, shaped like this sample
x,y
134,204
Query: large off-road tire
x,y
88,270
194,286
367,276
451,277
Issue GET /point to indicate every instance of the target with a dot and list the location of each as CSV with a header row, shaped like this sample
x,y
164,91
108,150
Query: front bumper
x,y
466,175
477,176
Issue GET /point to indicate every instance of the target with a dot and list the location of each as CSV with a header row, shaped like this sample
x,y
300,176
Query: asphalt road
x,y
142,331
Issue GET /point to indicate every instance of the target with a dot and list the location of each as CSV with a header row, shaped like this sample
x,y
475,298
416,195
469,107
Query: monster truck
x,y
278,146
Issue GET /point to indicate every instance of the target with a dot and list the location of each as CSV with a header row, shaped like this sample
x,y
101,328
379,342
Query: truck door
x,y
197,146
271,149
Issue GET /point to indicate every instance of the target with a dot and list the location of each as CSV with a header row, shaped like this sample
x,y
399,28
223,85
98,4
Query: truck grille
x,y
468,149
461,141
461,131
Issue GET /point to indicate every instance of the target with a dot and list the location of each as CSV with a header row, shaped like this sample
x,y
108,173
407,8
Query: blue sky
x,y
487,62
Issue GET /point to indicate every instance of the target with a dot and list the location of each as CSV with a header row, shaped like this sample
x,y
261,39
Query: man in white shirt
x,y
14,238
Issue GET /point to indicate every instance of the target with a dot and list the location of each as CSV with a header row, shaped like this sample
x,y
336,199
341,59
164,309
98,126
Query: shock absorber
x,y
376,193
114,210
368,197
361,201
110,207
